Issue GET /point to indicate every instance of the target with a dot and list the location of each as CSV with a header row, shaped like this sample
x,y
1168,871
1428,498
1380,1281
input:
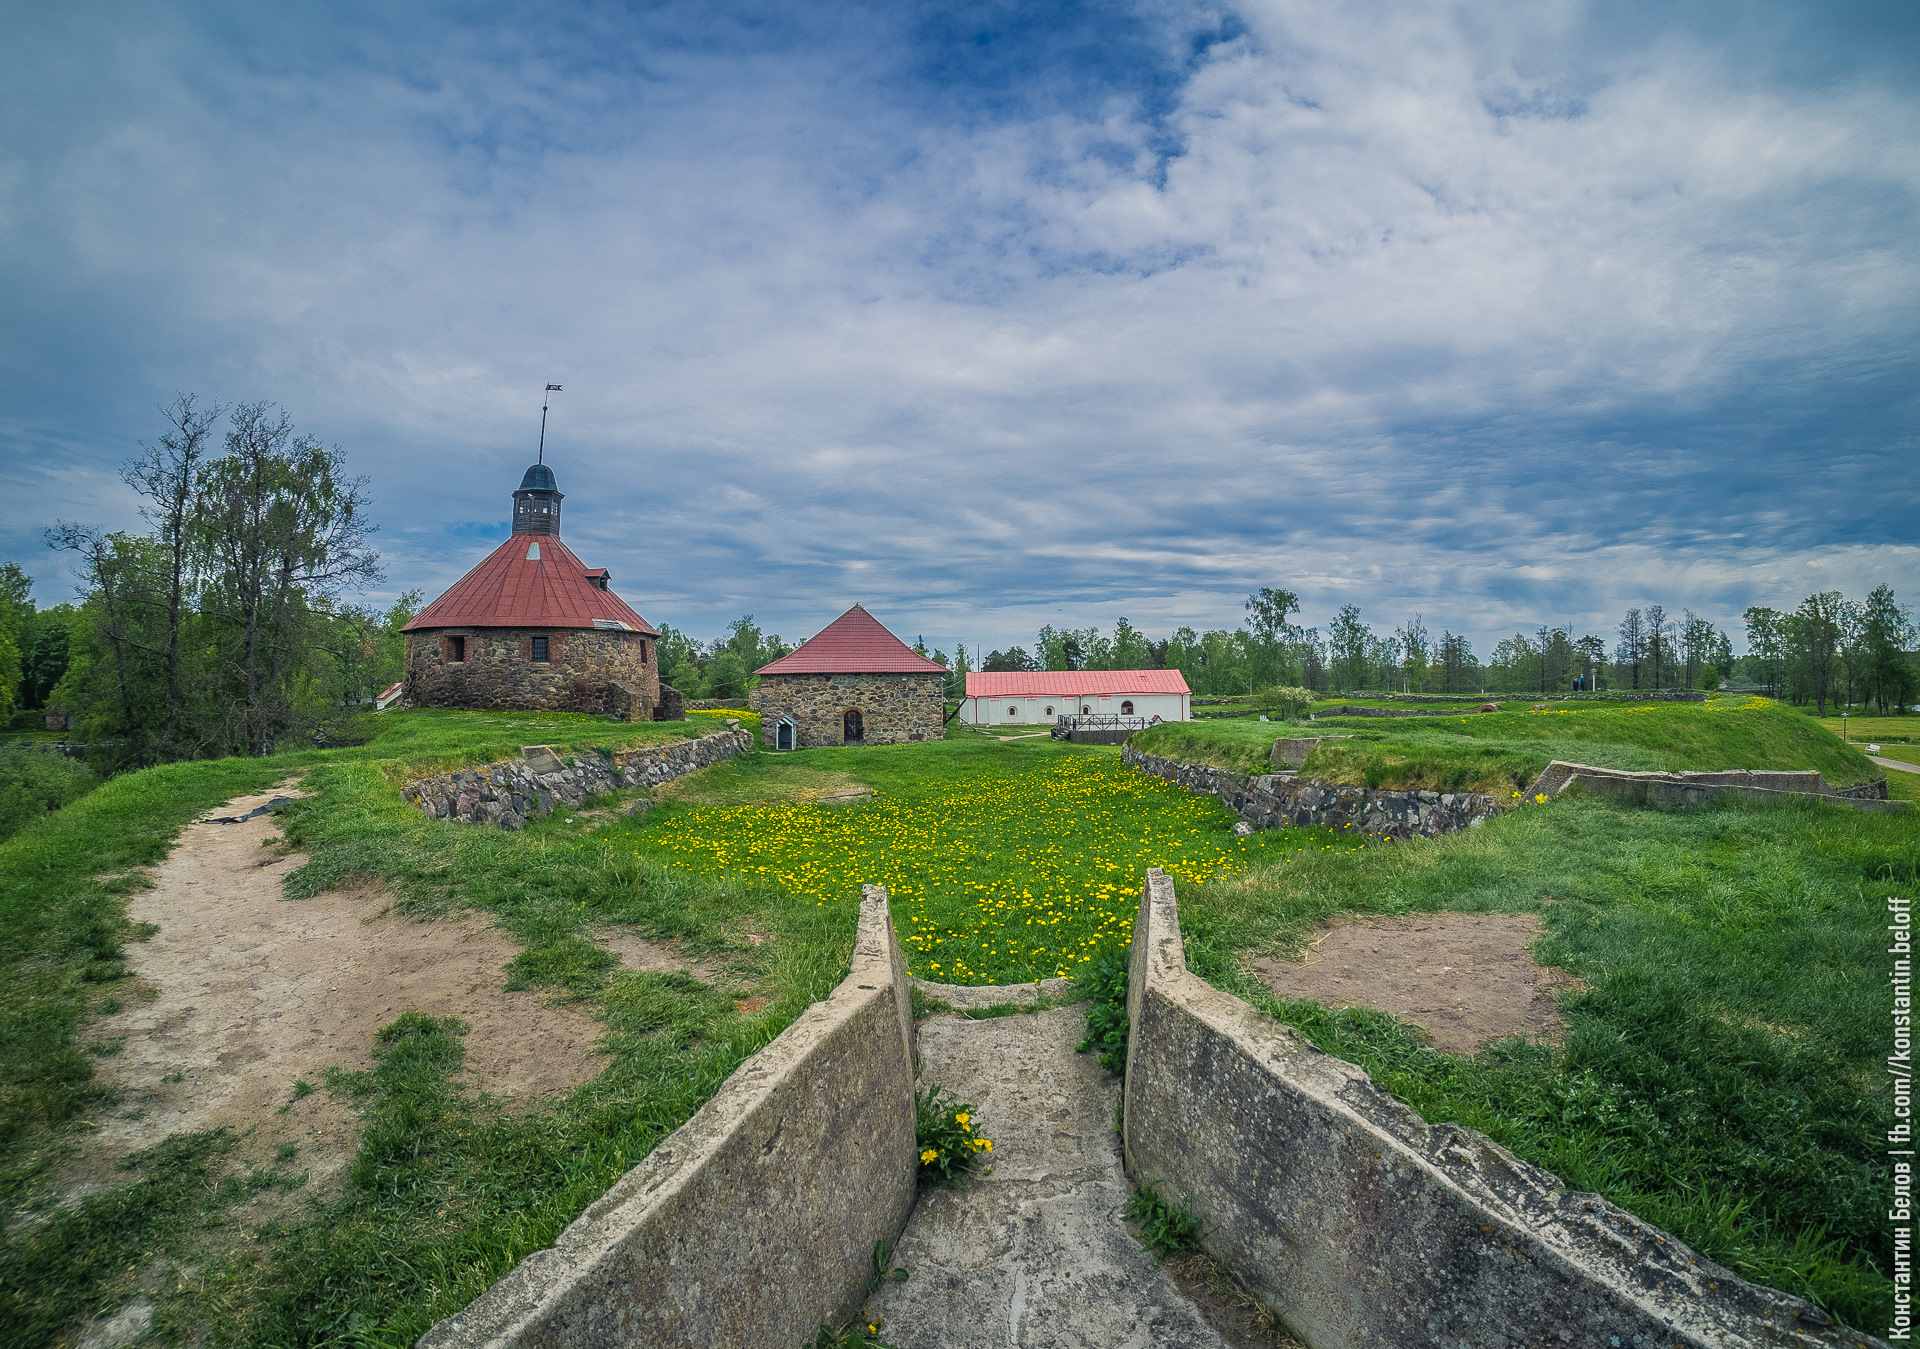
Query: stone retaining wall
x,y
1276,800
514,791
755,1221
1367,1228
1679,790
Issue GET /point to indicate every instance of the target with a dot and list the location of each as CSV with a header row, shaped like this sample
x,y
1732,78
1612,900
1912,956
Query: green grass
x,y
416,743
1007,861
1861,730
448,1193
1004,858
1721,1075
1489,750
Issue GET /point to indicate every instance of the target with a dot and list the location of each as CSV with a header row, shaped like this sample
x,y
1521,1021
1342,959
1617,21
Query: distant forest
x,y
1829,651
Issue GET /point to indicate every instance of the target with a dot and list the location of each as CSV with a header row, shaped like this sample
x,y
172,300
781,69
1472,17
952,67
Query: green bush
x,y
1104,983
36,781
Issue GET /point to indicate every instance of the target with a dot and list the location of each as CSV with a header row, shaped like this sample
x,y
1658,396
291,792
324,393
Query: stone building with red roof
x,y
532,626
854,683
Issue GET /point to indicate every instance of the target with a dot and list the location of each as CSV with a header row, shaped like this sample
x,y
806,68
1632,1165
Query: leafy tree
x,y
1348,639
1887,635
113,685
1766,642
1813,634
1415,650
1267,608
16,621
726,676
170,477
1011,661
282,527
687,678
675,650
1659,647
1632,651
44,660
1592,650
1513,665
1131,650
1455,663
208,634
956,687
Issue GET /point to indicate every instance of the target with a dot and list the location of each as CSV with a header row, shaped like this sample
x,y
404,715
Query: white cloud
x,y
1487,322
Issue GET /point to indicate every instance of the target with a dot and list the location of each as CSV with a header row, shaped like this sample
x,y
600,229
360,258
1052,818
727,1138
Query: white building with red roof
x,y
1039,697
853,683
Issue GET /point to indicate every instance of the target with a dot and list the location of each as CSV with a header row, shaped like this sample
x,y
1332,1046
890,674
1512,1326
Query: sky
x,y
994,315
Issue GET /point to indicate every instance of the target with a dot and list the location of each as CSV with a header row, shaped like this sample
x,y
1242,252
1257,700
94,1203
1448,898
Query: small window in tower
x,y
643,653
540,649
456,648
533,552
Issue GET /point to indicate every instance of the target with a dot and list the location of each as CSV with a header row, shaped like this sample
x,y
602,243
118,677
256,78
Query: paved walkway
x,y
1895,763
1032,1255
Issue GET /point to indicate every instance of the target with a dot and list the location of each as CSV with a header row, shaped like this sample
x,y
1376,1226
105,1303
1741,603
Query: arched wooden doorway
x,y
853,727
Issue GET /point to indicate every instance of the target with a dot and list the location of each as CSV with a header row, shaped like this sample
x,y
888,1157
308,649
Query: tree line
x,y
221,629
1828,651
1833,649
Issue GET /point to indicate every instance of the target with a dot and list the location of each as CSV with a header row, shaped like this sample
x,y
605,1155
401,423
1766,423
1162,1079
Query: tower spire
x,y
551,388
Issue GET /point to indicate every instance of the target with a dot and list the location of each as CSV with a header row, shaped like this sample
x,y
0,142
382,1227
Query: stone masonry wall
x,y
588,670
516,790
896,708
1276,800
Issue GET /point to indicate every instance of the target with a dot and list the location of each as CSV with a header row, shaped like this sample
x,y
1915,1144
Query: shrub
x,y
36,781
1291,703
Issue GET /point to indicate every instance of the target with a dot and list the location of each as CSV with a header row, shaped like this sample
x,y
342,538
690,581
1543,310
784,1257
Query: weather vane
x,y
551,388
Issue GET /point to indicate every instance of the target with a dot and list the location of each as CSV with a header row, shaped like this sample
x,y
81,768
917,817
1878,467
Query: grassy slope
x,y
62,927
1495,747
1720,1075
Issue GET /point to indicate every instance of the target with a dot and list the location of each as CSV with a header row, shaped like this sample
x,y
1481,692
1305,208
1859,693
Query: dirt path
x,y
1034,1254
1464,977
255,993
1895,763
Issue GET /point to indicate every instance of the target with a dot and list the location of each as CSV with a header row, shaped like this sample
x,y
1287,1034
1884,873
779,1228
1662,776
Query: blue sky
x,y
993,315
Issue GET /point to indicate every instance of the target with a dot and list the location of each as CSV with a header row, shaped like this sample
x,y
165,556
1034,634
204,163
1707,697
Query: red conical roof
x,y
530,581
853,643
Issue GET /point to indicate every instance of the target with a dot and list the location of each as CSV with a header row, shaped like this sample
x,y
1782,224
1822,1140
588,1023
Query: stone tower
x,y
533,627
